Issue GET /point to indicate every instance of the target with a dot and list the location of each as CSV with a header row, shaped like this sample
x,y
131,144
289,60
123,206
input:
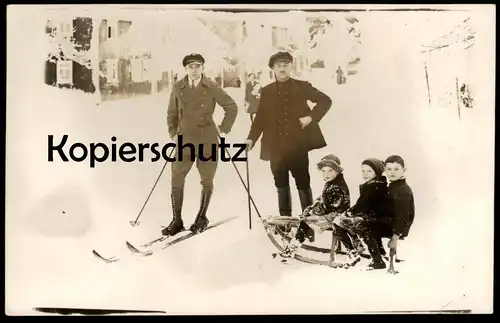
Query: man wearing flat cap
x,y
289,129
190,115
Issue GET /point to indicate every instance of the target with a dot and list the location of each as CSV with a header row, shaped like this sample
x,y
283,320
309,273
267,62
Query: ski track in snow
x,y
380,111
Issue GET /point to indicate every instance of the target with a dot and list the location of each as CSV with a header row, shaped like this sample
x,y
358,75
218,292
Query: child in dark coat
x,y
319,216
402,197
373,205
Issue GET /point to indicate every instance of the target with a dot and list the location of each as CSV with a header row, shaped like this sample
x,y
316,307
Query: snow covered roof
x,y
193,36
168,41
137,40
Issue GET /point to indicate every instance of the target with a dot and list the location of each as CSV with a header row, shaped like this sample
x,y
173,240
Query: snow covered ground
x,y
58,212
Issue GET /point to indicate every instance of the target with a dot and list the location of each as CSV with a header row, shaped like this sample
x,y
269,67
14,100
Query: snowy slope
x,y
380,111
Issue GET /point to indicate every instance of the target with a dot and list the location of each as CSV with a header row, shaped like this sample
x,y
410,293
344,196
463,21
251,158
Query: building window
x,y
112,70
66,29
112,29
139,70
280,37
64,72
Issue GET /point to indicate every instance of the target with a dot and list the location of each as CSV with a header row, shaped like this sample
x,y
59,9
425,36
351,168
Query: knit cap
x,y
376,164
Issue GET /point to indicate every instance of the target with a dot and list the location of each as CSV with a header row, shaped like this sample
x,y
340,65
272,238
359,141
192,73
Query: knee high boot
x,y
352,253
176,226
371,243
285,201
305,196
285,204
201,221
305,231
381,247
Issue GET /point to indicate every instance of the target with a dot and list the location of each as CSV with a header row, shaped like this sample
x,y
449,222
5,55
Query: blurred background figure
x,y
341,79
252,96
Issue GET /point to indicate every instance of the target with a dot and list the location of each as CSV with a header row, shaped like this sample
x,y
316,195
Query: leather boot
x,y
176,226
304,231
285,201
285,205
352,253
381,247
201,221
306,199
377,261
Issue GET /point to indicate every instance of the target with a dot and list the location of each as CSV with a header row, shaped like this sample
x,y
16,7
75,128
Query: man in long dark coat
x,y
190,115
289,130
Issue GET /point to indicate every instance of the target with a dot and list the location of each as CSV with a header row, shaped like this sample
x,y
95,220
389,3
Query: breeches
x,y
206,160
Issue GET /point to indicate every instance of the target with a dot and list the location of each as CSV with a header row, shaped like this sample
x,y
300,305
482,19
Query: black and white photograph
x,y
249,159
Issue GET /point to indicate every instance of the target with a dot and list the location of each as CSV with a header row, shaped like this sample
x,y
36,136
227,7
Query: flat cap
x,y
191,58
280,56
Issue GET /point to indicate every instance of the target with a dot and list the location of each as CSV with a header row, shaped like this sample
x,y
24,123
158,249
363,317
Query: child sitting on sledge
x,y
374,205
319,216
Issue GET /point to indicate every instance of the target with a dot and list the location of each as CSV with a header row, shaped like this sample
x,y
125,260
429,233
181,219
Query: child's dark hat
x,y
376,164
331,161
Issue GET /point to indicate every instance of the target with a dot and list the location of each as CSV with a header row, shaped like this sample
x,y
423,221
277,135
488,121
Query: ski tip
x,y
107,260
137,251
132,248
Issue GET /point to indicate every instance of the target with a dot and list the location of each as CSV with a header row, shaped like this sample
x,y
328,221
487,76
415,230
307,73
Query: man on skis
x,y
289,129
190,115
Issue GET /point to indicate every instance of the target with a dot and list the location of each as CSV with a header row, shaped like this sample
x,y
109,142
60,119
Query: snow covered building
x,y
67,63
77,58
334,41
291,34
128,57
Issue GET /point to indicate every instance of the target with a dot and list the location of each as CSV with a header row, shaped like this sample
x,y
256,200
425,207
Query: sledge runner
x,y
190,114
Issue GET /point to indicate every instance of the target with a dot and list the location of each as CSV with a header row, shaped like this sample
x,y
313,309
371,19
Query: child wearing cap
x,y
372,206
334,200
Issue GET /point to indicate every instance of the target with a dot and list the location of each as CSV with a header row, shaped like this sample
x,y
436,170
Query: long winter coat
x,y
266,120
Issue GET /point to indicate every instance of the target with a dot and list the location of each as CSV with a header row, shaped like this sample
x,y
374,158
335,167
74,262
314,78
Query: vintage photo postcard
x,y
278,159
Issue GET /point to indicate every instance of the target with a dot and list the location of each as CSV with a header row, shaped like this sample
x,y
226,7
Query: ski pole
x,y
135,223
248,184
242,182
